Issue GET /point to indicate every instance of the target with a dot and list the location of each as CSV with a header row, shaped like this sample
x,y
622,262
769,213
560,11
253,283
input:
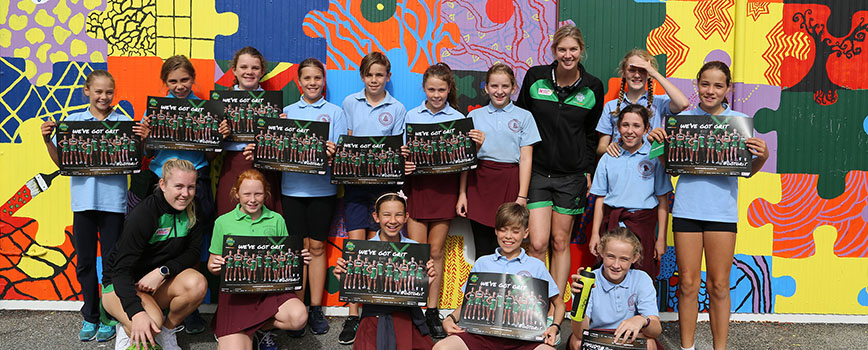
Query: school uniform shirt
x,y
565,120
104,193
239,223
422,115
155,234
162,155
631,181
506,129
376,238
522,265
237,146
707,197
607,125
609,304
386,119
313,185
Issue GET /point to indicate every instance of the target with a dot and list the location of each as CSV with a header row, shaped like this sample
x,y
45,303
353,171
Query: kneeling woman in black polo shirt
x,y
151,267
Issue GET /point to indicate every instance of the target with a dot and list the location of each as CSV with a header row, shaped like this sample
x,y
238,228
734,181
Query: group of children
x,y
534,168
98,150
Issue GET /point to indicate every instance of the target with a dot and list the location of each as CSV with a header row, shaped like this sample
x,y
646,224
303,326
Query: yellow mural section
x,y
752,240
188,28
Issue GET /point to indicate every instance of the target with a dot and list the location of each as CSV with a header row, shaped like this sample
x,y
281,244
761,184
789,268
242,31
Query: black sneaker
x,y
348,334
317,321
435,324
194,323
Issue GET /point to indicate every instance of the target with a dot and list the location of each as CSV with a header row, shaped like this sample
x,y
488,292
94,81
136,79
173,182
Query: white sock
x,y
690,348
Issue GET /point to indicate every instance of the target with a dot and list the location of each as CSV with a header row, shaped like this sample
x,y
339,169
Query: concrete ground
x,y
58,330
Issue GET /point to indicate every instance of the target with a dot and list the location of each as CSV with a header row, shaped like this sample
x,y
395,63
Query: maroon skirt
x,y
246,313
488,186
432,197
233,165
476,341
366,334
643,223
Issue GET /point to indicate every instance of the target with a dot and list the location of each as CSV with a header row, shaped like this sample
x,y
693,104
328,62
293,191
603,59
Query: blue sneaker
x,y
88,331
194,323
317,321
265,340
105,333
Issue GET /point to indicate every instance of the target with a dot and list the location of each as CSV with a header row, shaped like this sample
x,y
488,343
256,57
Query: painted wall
x,y
799,68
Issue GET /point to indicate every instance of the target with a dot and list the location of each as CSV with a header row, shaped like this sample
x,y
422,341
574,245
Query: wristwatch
x,y
164,270
647,321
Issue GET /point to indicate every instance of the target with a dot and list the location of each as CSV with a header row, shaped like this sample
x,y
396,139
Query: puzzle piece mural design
x,y
189,27
48,33
130,29
801,211
275,29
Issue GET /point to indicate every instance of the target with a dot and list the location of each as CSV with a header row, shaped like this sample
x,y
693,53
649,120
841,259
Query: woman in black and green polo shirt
x,y
566,102
151,265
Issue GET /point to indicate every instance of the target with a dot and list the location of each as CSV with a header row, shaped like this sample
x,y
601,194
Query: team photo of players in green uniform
x,y
96,151
518,309
241,117
447,149
307,149
721,148
386,276
185,127
252,267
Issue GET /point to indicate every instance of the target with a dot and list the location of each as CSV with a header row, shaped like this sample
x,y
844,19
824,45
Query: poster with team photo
x,y
291,145
368,160
442,148
708,145
261,264
98,148
183,124
507,306
594,340
385,273
242,109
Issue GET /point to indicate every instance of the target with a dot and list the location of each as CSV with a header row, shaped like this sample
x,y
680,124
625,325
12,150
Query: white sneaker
x,y
122,340
167,340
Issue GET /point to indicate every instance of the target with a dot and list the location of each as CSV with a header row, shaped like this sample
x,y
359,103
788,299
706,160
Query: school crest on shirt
x,y
386,118
324,118
631,301
646,169
524,273
514,125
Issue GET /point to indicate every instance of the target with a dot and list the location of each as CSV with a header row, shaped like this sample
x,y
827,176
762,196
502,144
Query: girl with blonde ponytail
x,y
638,70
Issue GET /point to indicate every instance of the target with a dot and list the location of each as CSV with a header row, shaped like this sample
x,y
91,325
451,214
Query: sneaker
x,y
167,339
348,334
105,333
435,324
265,340
122,342
317,321
88,331
194,324
295,333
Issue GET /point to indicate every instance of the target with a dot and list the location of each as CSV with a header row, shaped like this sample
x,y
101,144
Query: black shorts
x,y
309,217
691,225
565,194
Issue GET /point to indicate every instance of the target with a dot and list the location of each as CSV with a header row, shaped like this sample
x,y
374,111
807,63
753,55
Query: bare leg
x,y
688,255
719,250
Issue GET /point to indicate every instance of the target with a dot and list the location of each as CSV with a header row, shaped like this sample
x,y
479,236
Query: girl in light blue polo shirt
x,y
622,299
705,217
98,204
632,190
503,171
636,69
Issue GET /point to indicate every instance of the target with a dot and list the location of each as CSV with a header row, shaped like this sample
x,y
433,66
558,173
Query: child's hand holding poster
x,y
261,264
98,148
708,145
291,145
385,273
508,306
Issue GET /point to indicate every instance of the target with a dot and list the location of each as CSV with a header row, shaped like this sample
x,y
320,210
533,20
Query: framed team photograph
x,y
242,109
96,148
708,145
385,273
504,305
368,160
291,145
183,124
261,264
597,340
442,148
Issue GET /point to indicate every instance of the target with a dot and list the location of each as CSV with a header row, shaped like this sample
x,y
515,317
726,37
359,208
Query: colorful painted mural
x,y
798,68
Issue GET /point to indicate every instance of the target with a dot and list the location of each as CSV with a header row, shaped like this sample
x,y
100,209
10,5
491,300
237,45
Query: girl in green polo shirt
x,y
239,316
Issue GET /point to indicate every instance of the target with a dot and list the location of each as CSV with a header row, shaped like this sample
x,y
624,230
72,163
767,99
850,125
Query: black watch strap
x,y
558,327
453,318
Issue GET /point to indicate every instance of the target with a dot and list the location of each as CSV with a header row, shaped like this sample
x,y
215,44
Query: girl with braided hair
x,y
637,70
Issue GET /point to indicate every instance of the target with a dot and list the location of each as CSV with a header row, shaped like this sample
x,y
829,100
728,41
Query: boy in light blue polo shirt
x,y
511,223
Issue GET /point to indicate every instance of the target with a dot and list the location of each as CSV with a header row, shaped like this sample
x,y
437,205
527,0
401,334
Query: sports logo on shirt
x,y
514,125
544,91
324,118
646,169
386,118
163,231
